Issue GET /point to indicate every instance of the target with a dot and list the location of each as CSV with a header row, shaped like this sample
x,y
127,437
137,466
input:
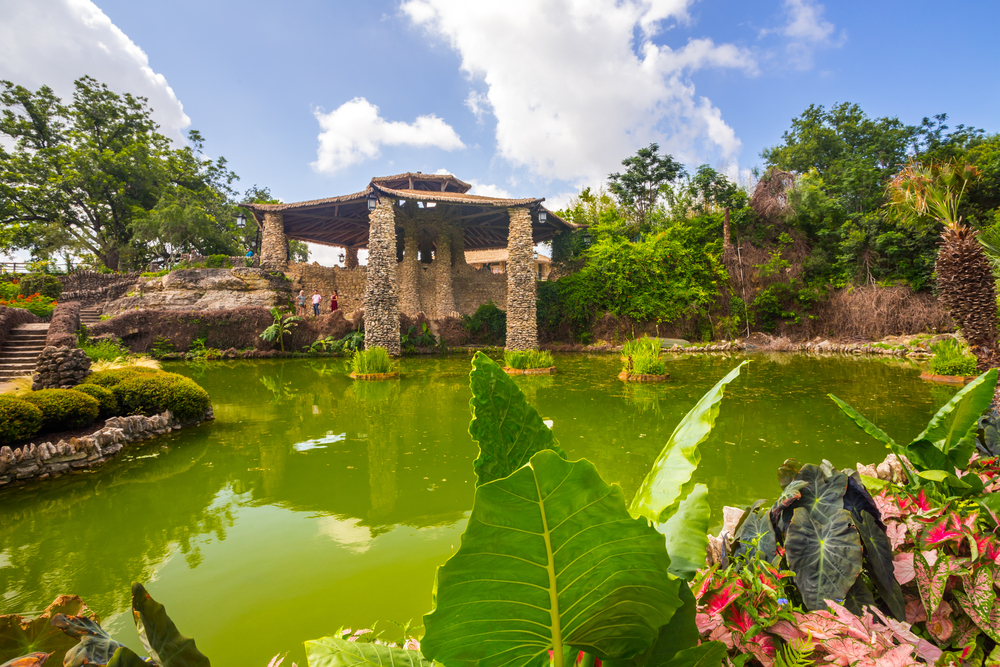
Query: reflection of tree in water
x,y
379,403
132,515
645,398
531,384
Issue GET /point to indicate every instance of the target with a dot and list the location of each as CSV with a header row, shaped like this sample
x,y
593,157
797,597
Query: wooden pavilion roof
x,y
343,220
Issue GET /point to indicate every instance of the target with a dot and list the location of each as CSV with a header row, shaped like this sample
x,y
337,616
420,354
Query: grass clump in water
x,y
525,359
372,361
951,358
642,357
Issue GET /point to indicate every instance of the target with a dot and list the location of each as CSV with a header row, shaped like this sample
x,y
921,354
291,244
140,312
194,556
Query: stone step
x,y
17,354
25,346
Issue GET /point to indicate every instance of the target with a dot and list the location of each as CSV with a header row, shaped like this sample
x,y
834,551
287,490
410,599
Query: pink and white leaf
x,y
902,568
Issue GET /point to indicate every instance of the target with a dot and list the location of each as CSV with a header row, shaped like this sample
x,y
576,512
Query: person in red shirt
x,y
333,301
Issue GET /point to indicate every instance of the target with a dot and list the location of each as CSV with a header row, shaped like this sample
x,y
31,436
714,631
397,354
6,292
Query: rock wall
x,y
381,295
51,460
60,368
471,287
206,289
522,325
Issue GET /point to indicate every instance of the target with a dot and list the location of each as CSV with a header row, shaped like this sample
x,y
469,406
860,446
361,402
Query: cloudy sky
x,y
311,98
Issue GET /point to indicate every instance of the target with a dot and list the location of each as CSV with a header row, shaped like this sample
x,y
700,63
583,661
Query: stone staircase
x,y
90,316
21,350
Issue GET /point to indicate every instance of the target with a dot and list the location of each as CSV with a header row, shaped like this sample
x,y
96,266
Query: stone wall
x,y
471,287
381,295
522,325
93,280
60,368
51,460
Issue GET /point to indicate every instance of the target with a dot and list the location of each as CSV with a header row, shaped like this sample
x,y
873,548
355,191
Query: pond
x,y
313,501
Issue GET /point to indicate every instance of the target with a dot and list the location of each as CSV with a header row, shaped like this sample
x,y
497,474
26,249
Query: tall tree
x,y
94,171
638,188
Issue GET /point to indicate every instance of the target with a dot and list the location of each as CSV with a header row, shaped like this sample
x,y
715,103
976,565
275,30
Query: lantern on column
x,y
342,257
372,201
586,239
241,219
543,215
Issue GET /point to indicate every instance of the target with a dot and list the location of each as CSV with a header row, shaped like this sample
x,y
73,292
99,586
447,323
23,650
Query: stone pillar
x,y
444,295
274,245
522,327
350,257
409,287
458,247
381,299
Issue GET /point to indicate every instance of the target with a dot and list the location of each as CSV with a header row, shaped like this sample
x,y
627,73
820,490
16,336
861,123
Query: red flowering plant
x,y
42,306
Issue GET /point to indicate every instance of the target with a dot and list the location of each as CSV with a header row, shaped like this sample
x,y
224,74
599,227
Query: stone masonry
x,y
274,245
409,268
351,257
445,297
60,368
381,298
522,327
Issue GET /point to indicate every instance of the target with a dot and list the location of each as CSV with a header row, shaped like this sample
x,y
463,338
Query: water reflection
x,y
310,487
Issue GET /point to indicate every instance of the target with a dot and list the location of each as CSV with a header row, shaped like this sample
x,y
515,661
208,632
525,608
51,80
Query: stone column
x,y
274,245
409,288
458,246
350,257
444,295
381,299
522,328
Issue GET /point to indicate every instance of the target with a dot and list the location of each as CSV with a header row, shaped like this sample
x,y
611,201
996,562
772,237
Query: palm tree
x,y
281,327
965,280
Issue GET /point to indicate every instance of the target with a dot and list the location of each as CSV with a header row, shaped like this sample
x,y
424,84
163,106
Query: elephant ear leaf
x,y
756,535
789,499
823,495
662,490
826,557
865,425
21,636
30,660
508,430
96,646
125,657
957,421
878,556
687,534
533,574
165,645
706,654
336,652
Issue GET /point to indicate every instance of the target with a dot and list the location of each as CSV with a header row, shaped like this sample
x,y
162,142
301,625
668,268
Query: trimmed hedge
x,y
64,409
19,420
150,394
41,283
104,396
108,379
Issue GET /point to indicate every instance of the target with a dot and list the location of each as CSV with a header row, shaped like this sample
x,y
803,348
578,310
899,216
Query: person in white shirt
x,y
316,299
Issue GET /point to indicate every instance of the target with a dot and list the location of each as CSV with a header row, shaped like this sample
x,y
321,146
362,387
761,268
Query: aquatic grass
x,y
372,361
525,359
648,364
642,357
644,345
951,358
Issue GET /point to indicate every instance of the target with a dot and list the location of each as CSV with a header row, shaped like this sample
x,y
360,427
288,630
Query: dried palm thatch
x,y
770,197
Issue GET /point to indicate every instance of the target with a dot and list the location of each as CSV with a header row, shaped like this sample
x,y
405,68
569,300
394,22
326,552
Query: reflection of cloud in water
x,y
346,532
547,422
319,443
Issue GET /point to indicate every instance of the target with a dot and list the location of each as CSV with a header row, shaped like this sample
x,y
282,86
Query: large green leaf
x,y
707,654
757,535
687,534
826,557
335,652
508,430
679,634
21,636
165,645
865,425
858,597
662,489
126,657
822,495
96,646
878,556
550,559
957,420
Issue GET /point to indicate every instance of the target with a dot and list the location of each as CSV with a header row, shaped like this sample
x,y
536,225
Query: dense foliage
x,y
488,325
112,377
40,283
951,358
19,419
36,304
104,396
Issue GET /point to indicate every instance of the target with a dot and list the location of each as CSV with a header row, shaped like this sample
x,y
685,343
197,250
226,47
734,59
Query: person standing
x,y
333,302
316,299
300,303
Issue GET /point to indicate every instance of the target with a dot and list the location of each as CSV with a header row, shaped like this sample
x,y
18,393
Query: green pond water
x,y
313,501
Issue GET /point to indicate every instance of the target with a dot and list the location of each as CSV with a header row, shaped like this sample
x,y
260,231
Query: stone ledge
x,y
88,452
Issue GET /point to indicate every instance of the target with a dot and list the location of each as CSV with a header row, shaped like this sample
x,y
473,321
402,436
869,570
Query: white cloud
x,y
577,85
54,42
355,132
807,31
488,190
478,104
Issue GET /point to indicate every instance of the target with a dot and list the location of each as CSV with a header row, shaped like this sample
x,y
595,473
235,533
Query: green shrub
x,y
372,360
9,290
64,409
951,358
646,346
110,378
647,364
152,393
104,396
19,420
40,283
217,262
106,350
488,324
524,359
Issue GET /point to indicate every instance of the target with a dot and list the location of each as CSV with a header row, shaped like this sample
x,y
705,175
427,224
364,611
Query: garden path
x,y
21,349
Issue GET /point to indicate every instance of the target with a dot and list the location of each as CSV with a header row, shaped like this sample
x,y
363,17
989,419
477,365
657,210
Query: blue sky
x,y
524,97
